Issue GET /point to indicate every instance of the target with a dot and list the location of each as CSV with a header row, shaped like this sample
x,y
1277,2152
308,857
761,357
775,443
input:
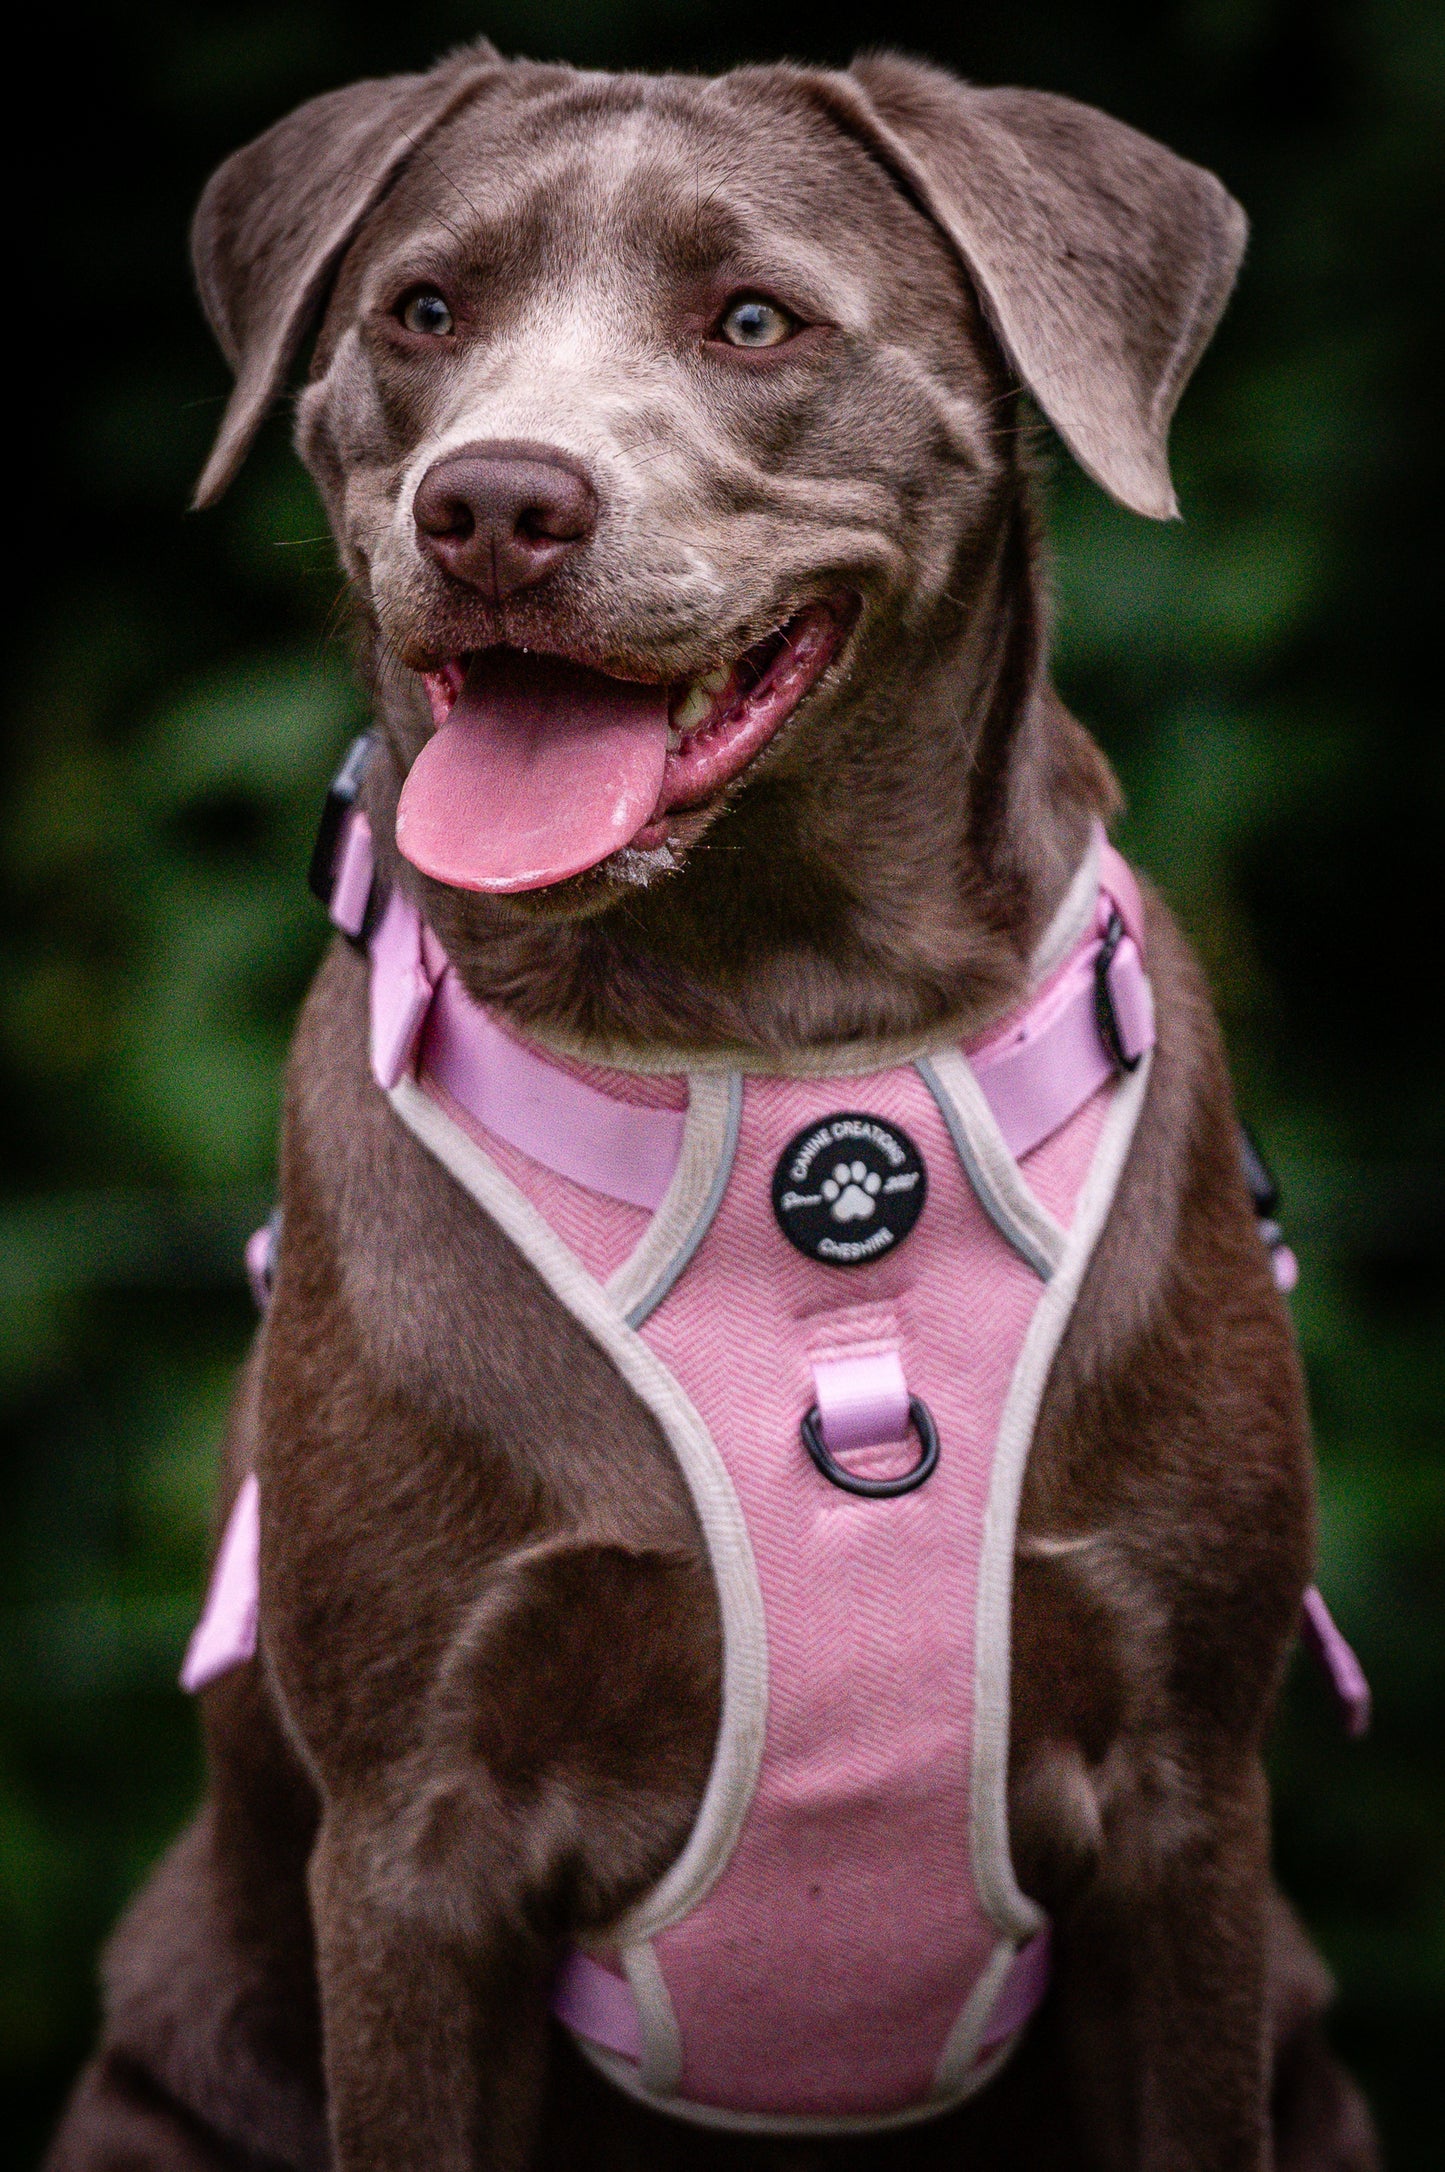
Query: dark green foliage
x,y
1259,674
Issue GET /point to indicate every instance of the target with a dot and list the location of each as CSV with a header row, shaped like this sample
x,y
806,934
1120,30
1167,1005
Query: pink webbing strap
x,y
1345,1674
355,866
260,1257
226,1632
1035,1072
1118,879
862,1401
1041,1067
610,1146
614,1147
401,990
598,2005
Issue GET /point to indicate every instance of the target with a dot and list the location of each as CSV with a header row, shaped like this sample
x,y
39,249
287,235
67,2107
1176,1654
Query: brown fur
x,y
484,1707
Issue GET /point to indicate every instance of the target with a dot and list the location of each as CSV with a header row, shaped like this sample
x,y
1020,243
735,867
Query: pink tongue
x,y
540,770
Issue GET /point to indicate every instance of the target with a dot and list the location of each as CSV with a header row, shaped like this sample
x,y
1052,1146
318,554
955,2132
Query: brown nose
x,y
501,515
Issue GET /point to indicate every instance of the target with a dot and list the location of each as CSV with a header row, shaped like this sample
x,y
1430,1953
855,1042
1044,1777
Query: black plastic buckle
x,y
1104,1011
341,796
875,1489
1263,1189
1259,1178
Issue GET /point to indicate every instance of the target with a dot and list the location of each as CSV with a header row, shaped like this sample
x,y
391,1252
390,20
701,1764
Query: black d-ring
x,y
875,1489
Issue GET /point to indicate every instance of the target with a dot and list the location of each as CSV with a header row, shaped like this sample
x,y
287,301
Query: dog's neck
x,y
896,892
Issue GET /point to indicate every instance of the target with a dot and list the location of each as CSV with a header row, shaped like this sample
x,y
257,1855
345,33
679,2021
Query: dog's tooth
x,y
674,739
694,708
715,681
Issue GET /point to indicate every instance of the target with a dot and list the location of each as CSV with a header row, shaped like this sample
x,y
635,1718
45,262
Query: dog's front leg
x,y
546,1779
434,2009
1162,1978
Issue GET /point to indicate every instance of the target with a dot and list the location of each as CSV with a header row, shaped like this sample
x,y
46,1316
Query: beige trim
x,y
1000,1185
709,1141
957,2059
628,2078
739,1749
661,2068
1004,1901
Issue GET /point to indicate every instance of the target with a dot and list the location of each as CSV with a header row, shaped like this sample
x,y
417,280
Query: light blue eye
x,y
426,312
752,322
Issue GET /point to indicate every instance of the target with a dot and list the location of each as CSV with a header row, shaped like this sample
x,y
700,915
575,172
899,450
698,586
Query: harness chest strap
x,y
936,2001
1091,1015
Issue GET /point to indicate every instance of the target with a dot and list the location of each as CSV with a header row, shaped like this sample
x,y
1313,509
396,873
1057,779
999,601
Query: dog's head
x,y
668,427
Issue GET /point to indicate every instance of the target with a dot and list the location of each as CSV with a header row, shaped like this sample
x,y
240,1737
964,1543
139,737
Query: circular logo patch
x,y
849,1189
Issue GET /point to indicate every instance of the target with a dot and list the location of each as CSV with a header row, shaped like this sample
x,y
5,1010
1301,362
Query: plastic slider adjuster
x,y
1104,1010
340,852
875,1489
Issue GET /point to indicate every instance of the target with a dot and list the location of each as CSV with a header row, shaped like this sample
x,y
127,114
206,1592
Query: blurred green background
x,y
178,695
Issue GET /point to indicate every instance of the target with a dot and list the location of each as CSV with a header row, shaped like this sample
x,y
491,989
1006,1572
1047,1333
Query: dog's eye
x,y
425,311
752,322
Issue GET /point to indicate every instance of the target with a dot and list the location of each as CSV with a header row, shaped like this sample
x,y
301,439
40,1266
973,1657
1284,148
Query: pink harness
x,y
840,1297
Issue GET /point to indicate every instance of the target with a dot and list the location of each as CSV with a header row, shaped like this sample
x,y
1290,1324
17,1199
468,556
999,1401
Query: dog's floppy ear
x,y
1102,260
275,221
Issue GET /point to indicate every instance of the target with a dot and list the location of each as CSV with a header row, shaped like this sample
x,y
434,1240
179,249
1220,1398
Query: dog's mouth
x,y
540,768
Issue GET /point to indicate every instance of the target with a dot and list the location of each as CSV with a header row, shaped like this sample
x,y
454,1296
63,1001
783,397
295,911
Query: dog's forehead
x,y
678,173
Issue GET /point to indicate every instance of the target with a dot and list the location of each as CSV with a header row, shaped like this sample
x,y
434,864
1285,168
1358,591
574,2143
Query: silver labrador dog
x,y
688,417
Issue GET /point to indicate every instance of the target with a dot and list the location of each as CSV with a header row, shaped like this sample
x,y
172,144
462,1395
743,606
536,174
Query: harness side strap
x,y
598,2004
1335,1654
615,1147
225,1635
1045,1063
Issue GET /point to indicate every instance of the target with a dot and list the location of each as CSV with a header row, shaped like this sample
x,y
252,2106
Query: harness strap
x,y
862,1401
1326,1641
355,864
225,1635
1093,1014
610,1146
1036,1071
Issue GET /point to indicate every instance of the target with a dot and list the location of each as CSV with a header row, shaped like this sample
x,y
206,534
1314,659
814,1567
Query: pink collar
x,y
1093,1014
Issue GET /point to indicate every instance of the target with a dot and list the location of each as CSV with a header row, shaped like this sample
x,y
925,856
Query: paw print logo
x,y
850,1191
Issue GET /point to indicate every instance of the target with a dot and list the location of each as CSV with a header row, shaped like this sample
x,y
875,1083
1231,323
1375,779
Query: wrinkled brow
x,y
657,225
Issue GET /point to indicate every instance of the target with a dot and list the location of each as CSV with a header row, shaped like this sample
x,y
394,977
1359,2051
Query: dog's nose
x,y
501,515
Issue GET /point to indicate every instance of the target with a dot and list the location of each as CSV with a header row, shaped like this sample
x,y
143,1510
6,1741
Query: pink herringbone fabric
x,y
825,1968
